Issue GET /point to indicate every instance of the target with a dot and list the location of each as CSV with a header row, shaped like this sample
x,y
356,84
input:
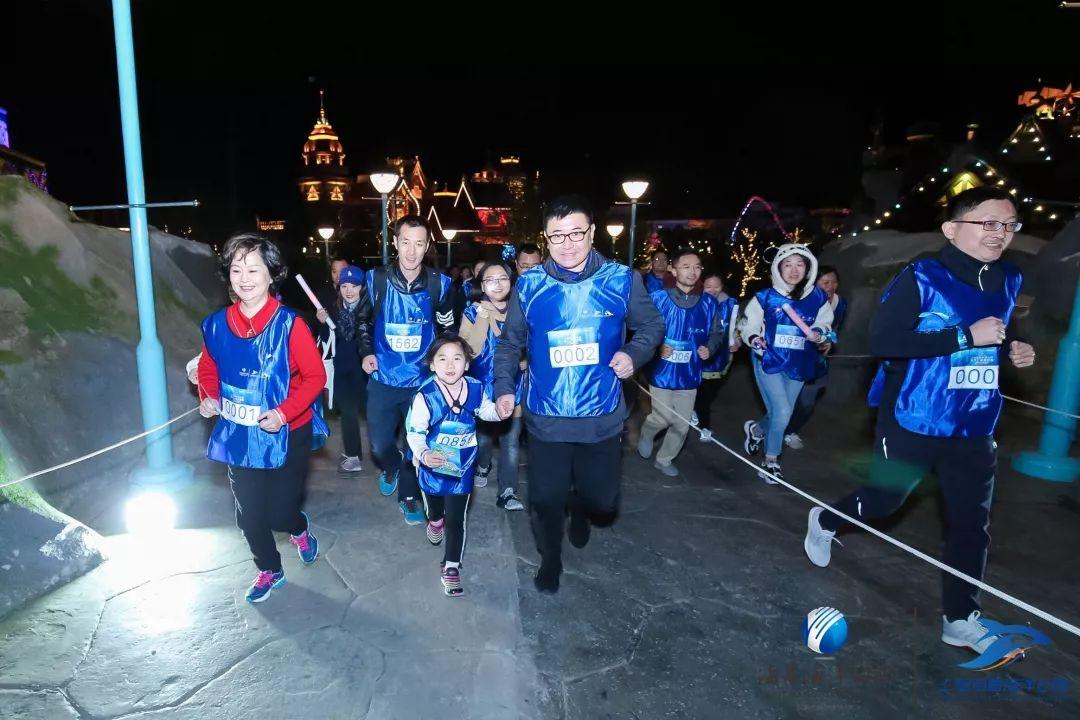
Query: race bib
x,y
455,441
789,337
453,437
239,406
681,351
403,337
572,348
974,369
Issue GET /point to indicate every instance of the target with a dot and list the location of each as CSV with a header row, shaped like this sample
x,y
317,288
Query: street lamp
x,y
326,233
449,235
634,189
615,229
384,182
162,471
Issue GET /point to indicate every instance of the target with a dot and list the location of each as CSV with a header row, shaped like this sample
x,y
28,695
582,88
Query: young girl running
x,y
441,432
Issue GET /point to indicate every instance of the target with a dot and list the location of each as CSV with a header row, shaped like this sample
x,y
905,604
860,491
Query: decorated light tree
x,y
747,247
747,253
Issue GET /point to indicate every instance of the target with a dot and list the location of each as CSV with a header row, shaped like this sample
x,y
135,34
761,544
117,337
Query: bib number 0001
x,y
240,414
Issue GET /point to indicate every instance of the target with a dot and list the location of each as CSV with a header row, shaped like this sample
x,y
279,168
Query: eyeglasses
x,y
994,225
497,281
575,236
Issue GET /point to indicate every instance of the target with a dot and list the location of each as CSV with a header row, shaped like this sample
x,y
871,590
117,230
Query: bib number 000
x,y
973,377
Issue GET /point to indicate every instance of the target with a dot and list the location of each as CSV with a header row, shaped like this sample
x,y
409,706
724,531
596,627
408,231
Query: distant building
x,y
13,162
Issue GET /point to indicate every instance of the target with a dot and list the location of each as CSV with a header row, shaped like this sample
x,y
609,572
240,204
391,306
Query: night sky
x,y
712,108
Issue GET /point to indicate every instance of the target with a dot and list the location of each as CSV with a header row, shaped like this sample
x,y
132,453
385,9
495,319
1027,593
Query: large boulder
x,y
68,378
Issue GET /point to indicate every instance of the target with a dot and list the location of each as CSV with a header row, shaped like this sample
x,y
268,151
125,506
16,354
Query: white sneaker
x,y
969,633
773,469
480,479
793,441
706,436
693,419
508,500
818,542
350,464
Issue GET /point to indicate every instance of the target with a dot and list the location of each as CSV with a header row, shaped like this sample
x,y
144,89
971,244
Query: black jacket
x,y
893,336
444,306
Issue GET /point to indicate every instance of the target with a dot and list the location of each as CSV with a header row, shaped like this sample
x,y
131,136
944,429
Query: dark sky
x,y
712,108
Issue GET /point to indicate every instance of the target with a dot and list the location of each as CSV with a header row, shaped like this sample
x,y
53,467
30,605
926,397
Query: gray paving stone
x,y
35,705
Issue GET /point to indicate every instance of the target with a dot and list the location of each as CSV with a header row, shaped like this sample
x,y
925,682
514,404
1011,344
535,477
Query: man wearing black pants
x,y
407,305
570,316
941,329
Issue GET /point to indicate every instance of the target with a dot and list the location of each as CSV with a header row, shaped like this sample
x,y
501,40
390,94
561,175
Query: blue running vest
x,y
403,332
956,395
452,435
253,376
789,351
839,313
686,330
482,367
719,361
574,331
653,283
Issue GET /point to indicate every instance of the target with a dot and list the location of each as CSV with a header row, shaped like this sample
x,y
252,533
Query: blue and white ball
x,y
824,630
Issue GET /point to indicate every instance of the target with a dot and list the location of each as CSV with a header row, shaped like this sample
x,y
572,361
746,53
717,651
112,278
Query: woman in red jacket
x,y
261,374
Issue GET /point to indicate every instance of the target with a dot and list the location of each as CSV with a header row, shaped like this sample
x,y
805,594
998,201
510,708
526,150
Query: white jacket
x,y
752,322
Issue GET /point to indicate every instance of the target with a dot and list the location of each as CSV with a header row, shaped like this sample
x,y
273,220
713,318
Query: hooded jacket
x,y
752,321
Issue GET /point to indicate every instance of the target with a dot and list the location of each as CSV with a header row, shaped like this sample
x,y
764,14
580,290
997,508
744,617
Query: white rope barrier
x,y
1068,627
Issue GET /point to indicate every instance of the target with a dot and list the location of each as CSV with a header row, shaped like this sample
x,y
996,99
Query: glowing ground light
x,y
150,513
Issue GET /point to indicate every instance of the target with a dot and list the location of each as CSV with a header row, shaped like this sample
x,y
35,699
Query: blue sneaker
x,y
265,581
388,486
306,544
414,514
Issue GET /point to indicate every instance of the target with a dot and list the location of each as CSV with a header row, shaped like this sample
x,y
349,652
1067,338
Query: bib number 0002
x,y
563,356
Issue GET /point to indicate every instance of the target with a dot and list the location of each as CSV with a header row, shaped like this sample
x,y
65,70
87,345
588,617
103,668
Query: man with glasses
x,y
528,257
941,331
570,319
694,333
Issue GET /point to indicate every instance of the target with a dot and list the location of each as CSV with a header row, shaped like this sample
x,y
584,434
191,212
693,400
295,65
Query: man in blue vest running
x,y
941,331
406,306
695,331
569,316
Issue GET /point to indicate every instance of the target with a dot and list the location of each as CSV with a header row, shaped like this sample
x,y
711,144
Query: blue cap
x,y
352,275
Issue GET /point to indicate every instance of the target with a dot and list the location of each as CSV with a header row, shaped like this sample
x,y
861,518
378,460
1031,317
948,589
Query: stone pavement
x,y
365,632
689,607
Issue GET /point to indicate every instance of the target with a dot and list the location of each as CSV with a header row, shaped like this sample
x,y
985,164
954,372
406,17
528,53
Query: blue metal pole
x,y
1052,461
149,354
633,224
385,249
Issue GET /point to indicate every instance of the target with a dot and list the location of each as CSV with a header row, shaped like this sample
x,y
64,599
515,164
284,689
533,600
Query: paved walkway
x,y
689,607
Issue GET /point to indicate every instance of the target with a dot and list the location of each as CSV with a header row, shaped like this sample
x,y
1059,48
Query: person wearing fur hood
x,y
782,325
